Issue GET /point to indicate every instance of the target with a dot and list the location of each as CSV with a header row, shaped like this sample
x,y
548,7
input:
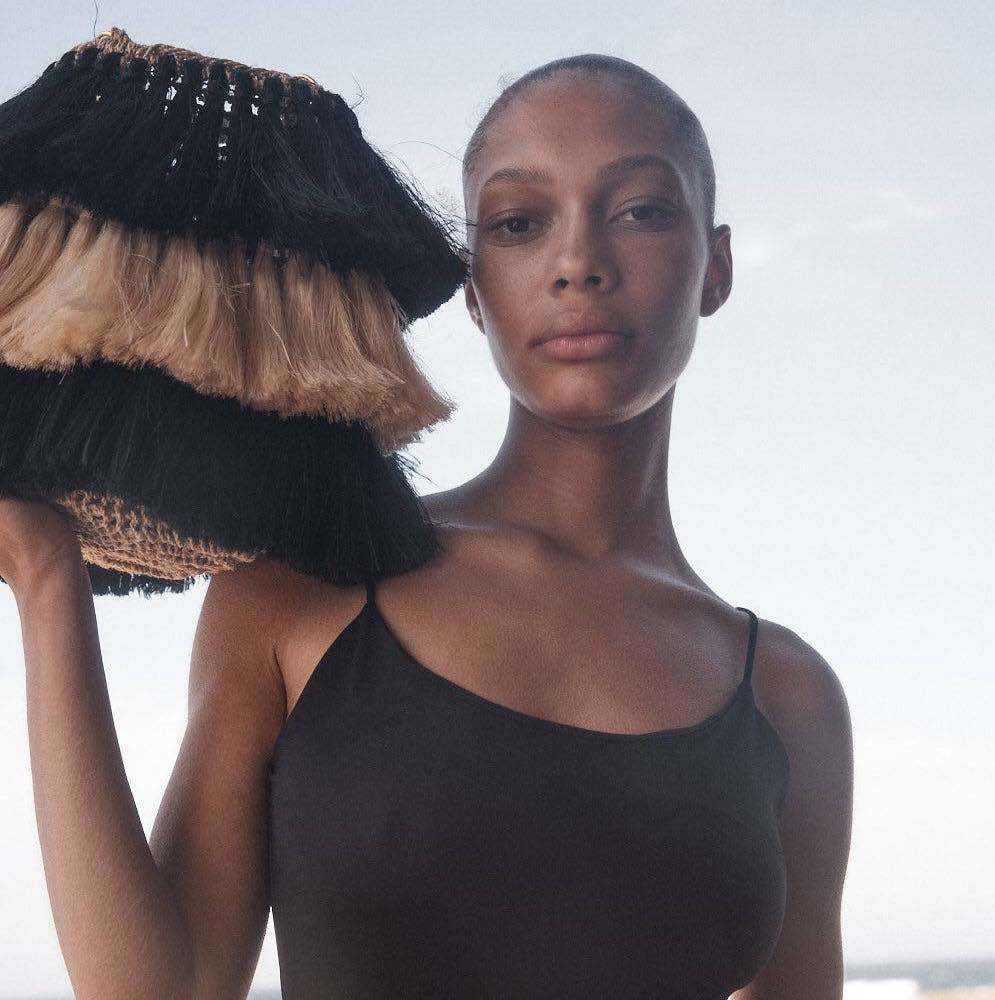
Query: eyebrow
x,y
533,175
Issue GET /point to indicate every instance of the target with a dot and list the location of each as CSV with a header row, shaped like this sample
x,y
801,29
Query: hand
x,y
34,535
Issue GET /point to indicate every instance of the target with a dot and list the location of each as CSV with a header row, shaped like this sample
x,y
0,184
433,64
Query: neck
x,y
598,495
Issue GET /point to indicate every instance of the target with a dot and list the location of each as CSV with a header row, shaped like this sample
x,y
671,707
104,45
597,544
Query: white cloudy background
x,y
831,453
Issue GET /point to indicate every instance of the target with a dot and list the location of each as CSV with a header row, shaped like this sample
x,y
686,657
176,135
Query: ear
x,y
472,306
718,276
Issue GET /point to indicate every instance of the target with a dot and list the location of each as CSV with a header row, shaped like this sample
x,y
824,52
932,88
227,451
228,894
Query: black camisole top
x,y
425,841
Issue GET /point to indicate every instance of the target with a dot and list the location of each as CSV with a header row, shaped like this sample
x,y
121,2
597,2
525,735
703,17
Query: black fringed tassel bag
x,y
206,273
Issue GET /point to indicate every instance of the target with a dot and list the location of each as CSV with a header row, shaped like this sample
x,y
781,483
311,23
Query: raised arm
x,y
182,914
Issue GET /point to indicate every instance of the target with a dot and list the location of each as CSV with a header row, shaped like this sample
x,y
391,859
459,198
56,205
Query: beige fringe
x,y
126,538
303,342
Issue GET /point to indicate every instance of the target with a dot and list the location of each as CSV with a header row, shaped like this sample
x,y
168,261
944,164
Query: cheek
x,y
510,369
666,310
508,314
500,285
670,272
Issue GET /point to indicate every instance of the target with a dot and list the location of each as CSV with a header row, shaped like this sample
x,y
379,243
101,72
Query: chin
x,y
584,414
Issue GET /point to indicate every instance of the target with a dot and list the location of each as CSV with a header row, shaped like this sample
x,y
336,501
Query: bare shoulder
x,y
260,596
289,616
242,620
804,699
796,687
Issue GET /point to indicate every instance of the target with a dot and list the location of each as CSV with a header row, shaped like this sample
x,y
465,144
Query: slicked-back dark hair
x,y
683,120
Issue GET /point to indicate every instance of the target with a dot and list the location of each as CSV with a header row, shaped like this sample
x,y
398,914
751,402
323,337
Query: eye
x,y
660,209
495,226
516,225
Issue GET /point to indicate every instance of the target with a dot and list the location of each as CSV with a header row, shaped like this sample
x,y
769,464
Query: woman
x,y
552,762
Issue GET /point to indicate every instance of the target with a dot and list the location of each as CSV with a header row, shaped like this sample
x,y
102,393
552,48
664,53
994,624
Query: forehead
x,y
570,126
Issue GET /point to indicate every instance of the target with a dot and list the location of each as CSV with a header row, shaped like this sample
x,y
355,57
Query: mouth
x,y
575,331
582,344
580,333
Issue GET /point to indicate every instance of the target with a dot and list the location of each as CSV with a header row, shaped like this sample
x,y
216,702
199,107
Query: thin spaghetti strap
x,y
748,670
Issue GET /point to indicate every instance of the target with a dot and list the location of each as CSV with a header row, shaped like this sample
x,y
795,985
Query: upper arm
x,y
806,703
210,834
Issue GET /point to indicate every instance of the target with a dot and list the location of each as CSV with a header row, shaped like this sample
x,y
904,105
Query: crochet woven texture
x,y
177,229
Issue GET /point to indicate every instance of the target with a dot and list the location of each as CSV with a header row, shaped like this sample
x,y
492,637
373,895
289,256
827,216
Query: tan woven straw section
x,y
275,331
117,40
121,537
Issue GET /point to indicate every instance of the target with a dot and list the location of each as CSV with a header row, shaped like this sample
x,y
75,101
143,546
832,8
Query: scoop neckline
x,y
551,725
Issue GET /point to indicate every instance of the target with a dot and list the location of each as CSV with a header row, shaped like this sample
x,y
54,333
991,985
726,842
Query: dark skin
x,y
563,592
584,459
574,507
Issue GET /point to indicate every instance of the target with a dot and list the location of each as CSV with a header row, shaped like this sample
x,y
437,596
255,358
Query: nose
x,y
591,279
582,257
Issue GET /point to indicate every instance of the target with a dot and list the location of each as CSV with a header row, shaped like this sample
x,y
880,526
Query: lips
x,y
579,327
582,347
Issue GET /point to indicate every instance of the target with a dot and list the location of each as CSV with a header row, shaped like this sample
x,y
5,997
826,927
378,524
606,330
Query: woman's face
x,y
625,250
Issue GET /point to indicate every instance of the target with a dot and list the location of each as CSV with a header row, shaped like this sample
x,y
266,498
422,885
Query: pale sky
x,y
830,458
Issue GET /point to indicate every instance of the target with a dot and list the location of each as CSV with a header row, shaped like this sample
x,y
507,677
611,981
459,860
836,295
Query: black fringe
x,y
297,174
314,494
